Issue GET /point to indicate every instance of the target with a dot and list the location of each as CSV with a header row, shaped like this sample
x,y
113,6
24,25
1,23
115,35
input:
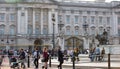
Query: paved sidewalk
x,y
82,64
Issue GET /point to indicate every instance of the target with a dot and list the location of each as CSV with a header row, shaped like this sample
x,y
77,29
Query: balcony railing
x,y
27,36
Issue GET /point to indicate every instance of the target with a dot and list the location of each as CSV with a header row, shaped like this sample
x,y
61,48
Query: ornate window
x,y
68,19
77,30
67,30
108,20
92,19
29,31
84,19
2,17
45,16
2,29
12,17
76,19
37,17
45,29
12,30
100,20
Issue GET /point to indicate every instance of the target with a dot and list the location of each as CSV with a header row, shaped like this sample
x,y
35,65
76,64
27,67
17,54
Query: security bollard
x,y
109,61
28,61
73,62
50,61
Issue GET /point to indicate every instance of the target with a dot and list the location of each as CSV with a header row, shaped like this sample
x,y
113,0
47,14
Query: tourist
x,y
60,58
36,55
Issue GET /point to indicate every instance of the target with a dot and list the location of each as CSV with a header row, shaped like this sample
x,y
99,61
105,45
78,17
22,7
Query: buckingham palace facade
x,y
24,21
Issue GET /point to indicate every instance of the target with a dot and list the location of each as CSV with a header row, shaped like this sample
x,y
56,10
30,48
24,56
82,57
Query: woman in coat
x,y
45,57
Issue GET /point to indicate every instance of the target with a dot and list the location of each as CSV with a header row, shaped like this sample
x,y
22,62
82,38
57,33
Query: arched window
x,y
12,17
76,30
2,29
67,30
12,30
68,19
29,31
2,17
76,19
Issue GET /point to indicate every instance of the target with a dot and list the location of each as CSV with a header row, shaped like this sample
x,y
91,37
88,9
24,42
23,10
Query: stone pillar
x,y
114,23
22,21
41,21
50,23
33,21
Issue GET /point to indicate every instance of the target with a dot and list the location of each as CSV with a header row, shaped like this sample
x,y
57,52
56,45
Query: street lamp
x,y
73,52
53,19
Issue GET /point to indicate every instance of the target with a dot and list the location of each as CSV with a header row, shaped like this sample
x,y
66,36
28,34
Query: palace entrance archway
x,y
78,43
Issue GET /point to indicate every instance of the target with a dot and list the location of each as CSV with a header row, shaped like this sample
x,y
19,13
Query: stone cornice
x,y
90,5
32,5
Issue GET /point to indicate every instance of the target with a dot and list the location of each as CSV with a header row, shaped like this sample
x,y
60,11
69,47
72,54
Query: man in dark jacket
x,y
60,58
36,55
22,58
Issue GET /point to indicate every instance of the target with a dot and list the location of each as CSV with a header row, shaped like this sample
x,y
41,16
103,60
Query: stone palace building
x,y
63,22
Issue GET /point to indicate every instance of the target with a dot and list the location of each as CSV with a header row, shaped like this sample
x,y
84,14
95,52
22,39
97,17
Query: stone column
x,y
41,21
33,21
22,21
115,26
50,23
114,23
22,26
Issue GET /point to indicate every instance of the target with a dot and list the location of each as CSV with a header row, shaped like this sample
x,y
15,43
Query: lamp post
x,y
73,52
73,41
53,19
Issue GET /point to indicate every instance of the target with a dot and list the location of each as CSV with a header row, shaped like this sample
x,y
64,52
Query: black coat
x,y
60,56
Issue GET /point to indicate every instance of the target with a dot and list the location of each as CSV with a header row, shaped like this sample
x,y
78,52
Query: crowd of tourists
x,y
96,54
20,56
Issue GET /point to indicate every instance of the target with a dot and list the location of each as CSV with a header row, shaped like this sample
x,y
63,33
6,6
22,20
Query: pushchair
x,y
14,63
